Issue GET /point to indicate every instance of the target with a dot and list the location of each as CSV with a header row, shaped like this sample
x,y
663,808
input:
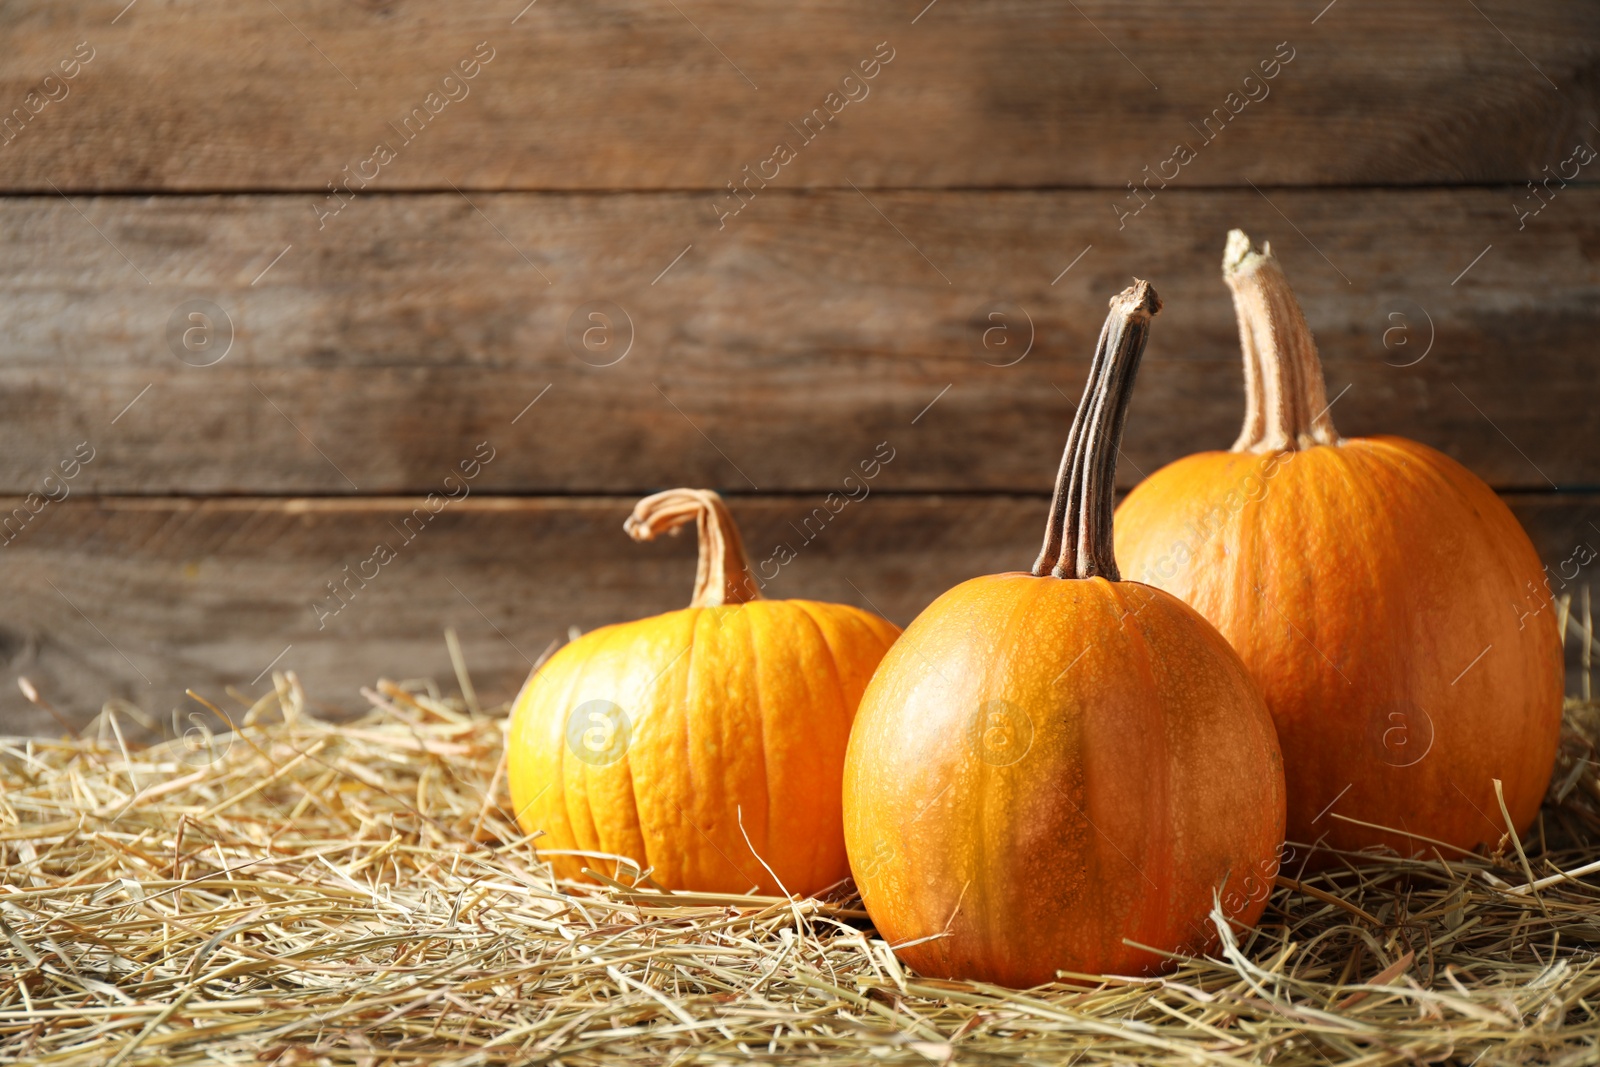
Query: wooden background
x,y
985,171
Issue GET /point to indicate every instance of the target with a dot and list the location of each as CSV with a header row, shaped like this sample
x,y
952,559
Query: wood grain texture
x,y
632,94
142,598
774,355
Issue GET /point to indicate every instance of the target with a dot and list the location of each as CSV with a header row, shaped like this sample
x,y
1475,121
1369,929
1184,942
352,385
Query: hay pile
x,y
302,892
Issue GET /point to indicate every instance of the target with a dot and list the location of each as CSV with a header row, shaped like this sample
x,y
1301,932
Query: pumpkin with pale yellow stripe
x,y
705,745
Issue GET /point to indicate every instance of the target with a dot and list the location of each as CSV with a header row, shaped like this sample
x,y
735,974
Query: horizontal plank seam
x,y
131,192
628,495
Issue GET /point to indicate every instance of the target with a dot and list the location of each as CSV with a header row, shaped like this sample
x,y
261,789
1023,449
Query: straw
x,y
357,892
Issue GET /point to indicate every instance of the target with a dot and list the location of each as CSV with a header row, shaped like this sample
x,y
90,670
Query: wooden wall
x,y
396,217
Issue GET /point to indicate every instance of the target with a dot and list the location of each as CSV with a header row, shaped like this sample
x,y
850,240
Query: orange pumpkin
x,y
1061,770
1378,591
706,744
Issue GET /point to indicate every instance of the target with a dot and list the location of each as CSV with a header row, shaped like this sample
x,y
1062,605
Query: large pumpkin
x,y
1061,770
1380,593
706,744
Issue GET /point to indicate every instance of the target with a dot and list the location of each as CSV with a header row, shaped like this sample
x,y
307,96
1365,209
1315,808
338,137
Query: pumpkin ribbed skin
x,y
737,711
1379,593
1045,767
1060,770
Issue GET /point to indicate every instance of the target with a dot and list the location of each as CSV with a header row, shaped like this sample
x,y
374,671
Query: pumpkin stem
x,y
1286,399
723,575
1077,540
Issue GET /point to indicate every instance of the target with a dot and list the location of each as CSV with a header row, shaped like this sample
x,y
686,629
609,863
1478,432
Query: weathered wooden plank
x,y
635,94
774,355
141,598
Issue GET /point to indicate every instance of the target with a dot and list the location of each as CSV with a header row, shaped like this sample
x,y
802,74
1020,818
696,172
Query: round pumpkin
x,y
1382,595
1060,770
704,745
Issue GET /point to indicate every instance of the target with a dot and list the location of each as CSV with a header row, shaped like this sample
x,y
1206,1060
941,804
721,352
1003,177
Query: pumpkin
x,y
1060,770
1378,591
704,746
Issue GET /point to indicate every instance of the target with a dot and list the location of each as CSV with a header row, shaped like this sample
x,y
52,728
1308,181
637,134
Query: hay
x,y
301,891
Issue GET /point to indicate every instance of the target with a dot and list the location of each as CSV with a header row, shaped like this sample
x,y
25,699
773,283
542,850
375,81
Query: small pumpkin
x,y
1376,588
705,745
1060,770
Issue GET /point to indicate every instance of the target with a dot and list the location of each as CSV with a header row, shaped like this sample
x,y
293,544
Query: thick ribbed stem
x,y
723,575
1286,401
1077,539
